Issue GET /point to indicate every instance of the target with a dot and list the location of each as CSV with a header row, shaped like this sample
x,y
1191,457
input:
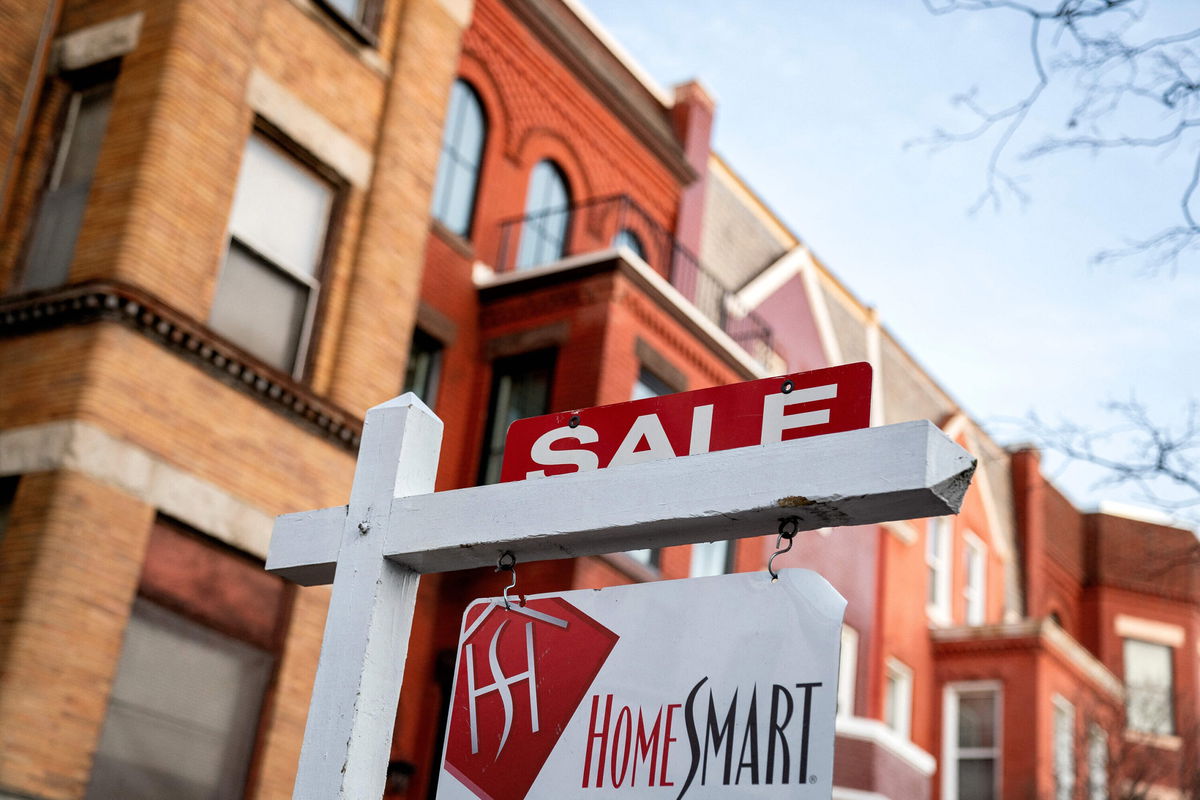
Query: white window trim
x,y
975,612
847,671
939,566
950,749
1149,630
1061,703
902,725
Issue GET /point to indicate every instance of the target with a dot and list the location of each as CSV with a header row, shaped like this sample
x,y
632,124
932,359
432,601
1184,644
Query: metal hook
x,y
784,533
509,566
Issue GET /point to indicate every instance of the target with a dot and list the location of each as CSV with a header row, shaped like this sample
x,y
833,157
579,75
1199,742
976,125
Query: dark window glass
x,y
183,712
650,385
8,492
547,217
520,388
462,157
424,369
60,212
269,283
627,238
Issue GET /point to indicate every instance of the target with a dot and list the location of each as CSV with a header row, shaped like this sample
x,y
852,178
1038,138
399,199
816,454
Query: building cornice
x,y
574,41
497,285
147,315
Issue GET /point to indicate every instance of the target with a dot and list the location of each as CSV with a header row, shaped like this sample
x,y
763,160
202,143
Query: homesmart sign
x,y
706,688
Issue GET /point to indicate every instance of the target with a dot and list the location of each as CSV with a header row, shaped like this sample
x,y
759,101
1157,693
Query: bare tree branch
x,y
1128,95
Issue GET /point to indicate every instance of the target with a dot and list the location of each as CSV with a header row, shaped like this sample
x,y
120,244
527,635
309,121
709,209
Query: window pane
x,y
260,308
350,9
1148,686
976,719
544,233
8,493
627,238
1064,751
649,385
710,558
462,155
976,779
281,209
60,211
648,558
520,388
1097,764
183,712
424,368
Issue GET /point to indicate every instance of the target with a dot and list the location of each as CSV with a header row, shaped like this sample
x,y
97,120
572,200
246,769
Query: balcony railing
x,y
604,222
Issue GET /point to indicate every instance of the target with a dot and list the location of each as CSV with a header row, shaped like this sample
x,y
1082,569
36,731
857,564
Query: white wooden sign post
x,y
395,528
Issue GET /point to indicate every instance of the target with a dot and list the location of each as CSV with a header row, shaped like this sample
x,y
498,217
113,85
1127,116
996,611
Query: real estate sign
x,y
704,688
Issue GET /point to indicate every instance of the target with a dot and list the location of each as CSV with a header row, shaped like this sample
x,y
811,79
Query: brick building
x,y
232,227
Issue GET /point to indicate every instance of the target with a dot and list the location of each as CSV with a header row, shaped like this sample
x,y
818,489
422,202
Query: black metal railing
x,y
600,223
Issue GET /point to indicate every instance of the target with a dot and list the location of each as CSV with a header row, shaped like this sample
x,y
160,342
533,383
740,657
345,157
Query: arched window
x,y
462,156
627,238
547,217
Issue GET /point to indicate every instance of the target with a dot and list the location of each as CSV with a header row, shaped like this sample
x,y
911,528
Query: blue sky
x,y
816,101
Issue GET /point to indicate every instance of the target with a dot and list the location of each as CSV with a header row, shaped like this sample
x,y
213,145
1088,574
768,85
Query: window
x,y
847,672
183,712
971,741
1149,691
897,699
424,369
267,292
8,493
627,238
650,385
462,156
1097,762
975,587
937,558
362,15
711,558
520,388
547,217
1064,749
60,212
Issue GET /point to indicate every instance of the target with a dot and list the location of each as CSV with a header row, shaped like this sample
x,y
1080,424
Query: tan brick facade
x,y
108,423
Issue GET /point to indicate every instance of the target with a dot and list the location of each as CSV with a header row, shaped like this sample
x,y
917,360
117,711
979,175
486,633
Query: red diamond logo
x,y
521,674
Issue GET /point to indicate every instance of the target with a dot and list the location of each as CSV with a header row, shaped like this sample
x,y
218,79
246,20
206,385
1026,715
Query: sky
x,y
818,104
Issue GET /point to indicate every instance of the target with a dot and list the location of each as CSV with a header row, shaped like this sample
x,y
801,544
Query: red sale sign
x,y
757,412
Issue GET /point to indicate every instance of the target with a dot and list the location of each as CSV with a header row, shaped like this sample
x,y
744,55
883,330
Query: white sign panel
x,y
704,688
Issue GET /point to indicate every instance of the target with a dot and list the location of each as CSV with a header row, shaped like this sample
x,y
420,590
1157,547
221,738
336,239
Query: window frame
x,y
974,596
433,378
99,77
1172,724
468,232
1063,759
545,213
366,30
952,754
547,357
901,722
306,344
939,568
847,671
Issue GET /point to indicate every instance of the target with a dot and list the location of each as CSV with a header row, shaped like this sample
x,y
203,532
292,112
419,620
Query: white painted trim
x,y
820,313
657,283
1139,514
774,277
841,793
97,43
903,530
874,731
620,53
1148,630
81,447
950,692
903,673
847,671
1163,741
459,10
309,129
875,359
